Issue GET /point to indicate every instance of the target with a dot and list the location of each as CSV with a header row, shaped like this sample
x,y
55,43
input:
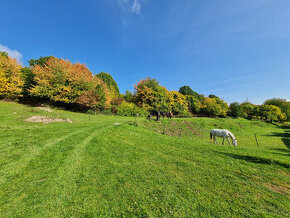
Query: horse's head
x,y
235,142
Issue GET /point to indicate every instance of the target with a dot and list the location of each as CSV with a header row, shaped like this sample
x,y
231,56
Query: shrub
x,y
11,81
130,109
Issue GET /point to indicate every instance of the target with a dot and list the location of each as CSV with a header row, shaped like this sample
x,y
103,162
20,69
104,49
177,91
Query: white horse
x,y
223,133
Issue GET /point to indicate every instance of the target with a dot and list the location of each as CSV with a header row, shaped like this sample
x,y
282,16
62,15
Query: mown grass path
x,y
93,168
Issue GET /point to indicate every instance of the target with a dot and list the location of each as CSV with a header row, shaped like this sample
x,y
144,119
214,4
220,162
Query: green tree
x,y
272,113
235,110
108,79
248,110
186,90
129,96
282,104
40,61
28,78
193,104
214,107
212,96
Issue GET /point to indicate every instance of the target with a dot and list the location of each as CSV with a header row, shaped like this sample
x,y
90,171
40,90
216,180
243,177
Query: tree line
x,y
74,86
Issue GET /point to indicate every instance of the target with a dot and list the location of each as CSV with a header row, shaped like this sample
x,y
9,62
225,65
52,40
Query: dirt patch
x,y
47,109
45,119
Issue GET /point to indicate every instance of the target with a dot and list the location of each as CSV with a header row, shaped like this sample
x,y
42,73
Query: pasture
x,y
91,167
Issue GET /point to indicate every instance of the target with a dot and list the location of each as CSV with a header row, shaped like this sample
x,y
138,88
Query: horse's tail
x,y
210,136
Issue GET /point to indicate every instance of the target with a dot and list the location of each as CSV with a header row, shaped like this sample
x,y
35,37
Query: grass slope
x,y
94,168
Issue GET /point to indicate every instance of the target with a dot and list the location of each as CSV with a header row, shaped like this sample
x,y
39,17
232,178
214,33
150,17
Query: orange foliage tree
x,y
62,81
11,81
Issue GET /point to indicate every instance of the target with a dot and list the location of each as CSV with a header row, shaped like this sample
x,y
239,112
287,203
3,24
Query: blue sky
x,y
236,49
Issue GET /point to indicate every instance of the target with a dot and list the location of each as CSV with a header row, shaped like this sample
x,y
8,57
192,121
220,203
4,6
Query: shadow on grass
x,y
285,136
281,150
258,160
284,152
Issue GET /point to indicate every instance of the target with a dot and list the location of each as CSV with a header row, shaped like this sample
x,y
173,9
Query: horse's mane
x,y
232,135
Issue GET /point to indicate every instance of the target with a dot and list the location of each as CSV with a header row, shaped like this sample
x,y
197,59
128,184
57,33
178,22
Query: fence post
x,y
256,140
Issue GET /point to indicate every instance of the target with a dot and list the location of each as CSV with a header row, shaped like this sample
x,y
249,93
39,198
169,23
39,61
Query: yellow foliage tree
x,y
11,81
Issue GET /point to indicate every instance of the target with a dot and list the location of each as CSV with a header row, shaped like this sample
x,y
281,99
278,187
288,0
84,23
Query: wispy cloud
x,y
132,6
12,53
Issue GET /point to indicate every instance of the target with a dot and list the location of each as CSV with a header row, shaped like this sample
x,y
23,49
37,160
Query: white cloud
x,y
133,6
12,53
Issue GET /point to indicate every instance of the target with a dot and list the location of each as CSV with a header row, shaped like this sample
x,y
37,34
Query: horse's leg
x,y
228,141
215,140
223,140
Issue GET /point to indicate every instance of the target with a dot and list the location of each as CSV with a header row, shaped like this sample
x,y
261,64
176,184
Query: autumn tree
x,y
178,103
61,81
11,81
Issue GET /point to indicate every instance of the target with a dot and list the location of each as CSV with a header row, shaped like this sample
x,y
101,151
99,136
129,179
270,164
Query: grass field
x,y
92,168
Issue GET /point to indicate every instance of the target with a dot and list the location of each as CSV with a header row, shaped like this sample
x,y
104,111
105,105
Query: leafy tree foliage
x,y
249,110
235,110
94,98
193,104
130,109
62,81
178,103
186,90
214,107
129,96
212,96
272,113
282,104
150,95
28,79
11,81
108,79
40,61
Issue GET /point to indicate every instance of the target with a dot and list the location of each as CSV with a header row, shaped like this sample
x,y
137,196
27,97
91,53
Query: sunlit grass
x,y
94,168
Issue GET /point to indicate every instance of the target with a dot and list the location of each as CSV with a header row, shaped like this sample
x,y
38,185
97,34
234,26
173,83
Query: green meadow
x,y
92,168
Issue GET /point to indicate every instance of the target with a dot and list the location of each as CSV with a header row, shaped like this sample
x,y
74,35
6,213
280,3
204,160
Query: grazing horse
x,y
169,114
223,133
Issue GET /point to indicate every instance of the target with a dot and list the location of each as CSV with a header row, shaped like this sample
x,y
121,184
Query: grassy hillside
x,y
92,167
